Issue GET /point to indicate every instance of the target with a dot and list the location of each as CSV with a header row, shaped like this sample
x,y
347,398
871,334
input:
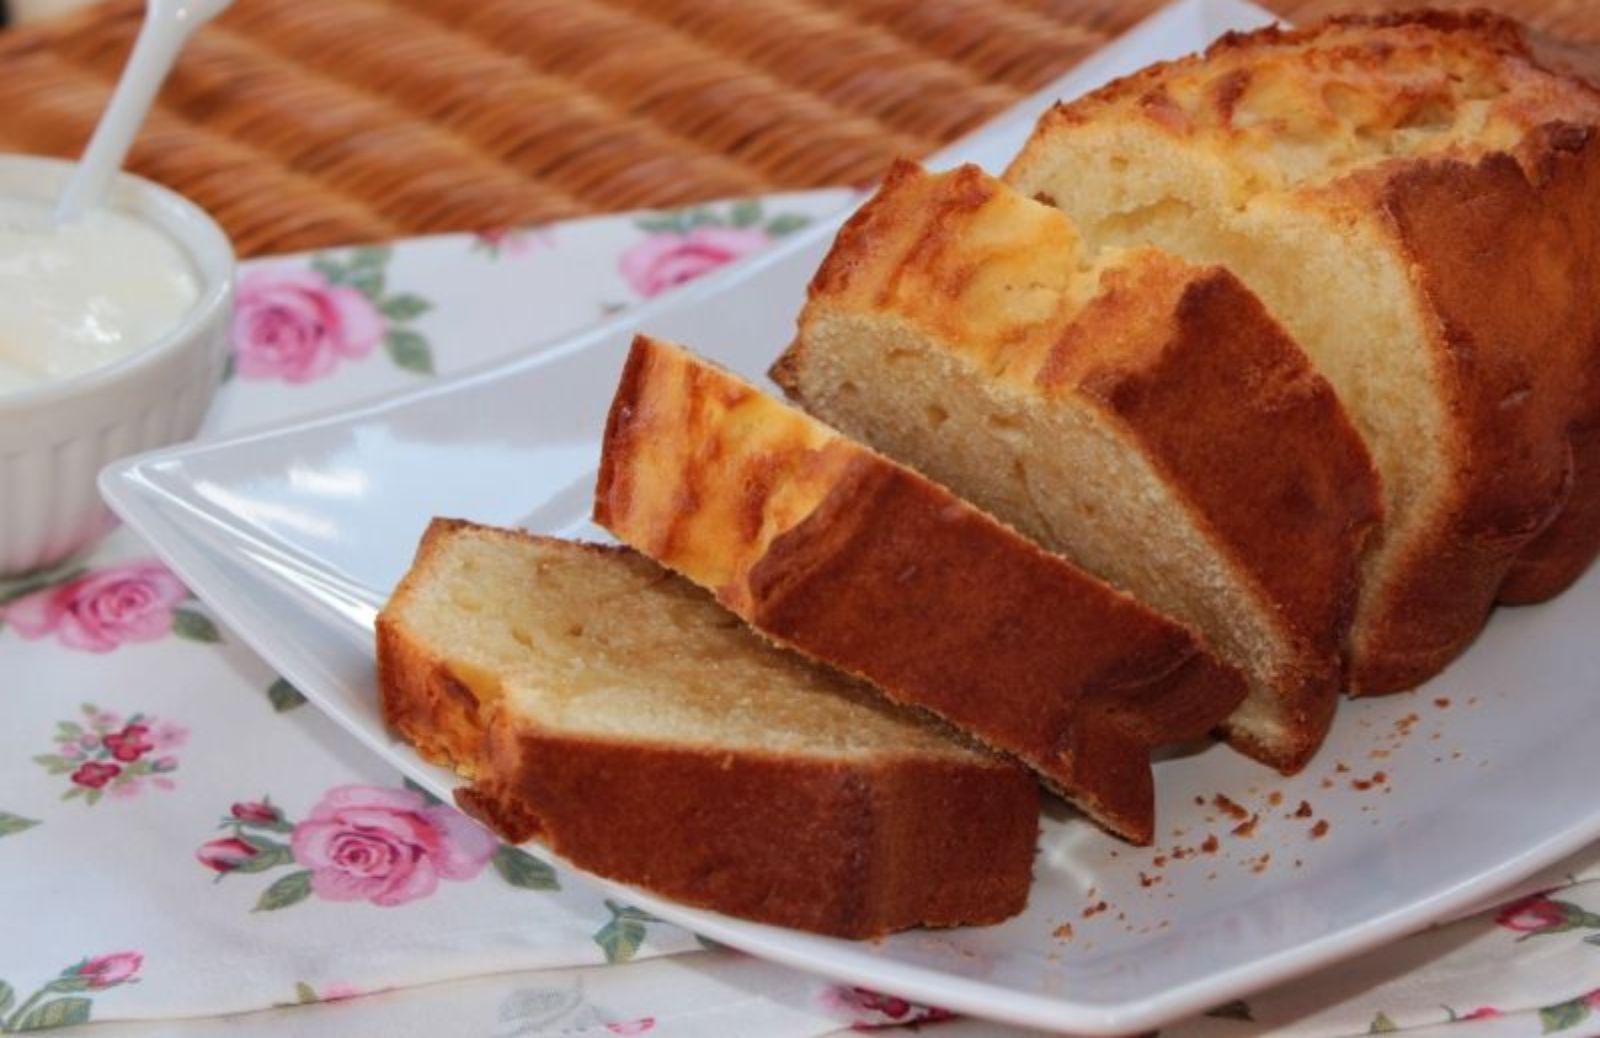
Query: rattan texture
x,y
305,125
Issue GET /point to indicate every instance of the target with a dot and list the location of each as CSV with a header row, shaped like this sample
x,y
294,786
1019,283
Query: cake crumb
x,y
1147,881
1200,801
1246,828
1260,864
1275,798
1159,860
1341,767
1304,810
1379,754
1210,844
1319,830
1062,932
1327,783
1231,808
1443,703
1095,909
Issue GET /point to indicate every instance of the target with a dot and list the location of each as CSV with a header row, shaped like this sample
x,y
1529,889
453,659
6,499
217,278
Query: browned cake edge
x,y
1521,344
1226,406
1508,532
849,849
853,850
893,579
1263,454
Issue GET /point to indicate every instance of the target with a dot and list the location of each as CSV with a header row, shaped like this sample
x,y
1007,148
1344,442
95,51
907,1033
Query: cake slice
x,y
1416,200
616,713
854,560
1143,417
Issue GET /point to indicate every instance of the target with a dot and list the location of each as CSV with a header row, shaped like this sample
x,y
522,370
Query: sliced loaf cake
x,y
1416,200
1143,417
854,560
615,712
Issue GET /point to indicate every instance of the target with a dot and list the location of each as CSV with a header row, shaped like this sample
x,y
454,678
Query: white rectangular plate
x,y
295,537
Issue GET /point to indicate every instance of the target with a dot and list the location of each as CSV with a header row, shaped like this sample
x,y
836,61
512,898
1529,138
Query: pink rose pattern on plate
x,y
297,325
105,755
68,999
102,609
384,846
685,243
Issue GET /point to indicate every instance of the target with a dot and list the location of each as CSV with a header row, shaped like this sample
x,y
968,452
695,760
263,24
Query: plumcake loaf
x,y
615,712
1416,201
829,548
1143,417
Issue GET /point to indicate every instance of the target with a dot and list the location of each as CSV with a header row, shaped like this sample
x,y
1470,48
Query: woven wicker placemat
x,y
307,124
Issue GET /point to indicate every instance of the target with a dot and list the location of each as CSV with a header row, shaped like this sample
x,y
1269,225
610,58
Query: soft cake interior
x,y
602,643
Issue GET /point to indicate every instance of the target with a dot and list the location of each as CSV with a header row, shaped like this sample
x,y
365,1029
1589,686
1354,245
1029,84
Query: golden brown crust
x,y
1184,361
421,698
1231,413
866,566
855,851
1564,163
1443,132
1501,263
852,848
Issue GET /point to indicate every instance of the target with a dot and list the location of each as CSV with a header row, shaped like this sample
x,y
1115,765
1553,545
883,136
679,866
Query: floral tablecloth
x,y
183,840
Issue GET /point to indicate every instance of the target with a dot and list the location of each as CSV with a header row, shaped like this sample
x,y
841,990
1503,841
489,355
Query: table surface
x,y
312,124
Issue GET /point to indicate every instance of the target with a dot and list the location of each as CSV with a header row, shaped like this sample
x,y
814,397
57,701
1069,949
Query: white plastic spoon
x,y
168,24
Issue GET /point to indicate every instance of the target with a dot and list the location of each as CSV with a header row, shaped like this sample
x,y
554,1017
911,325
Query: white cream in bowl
x,y
77,296
113,336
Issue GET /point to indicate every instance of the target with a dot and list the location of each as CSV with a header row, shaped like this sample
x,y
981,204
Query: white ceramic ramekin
x,y
55,438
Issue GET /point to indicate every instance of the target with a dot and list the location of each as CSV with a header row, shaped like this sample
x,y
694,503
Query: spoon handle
x,y
167,26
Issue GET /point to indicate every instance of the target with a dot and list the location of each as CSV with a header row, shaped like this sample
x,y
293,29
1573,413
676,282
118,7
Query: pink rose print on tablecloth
x,y
506,242
671,258
105,755
101,610
68,999
685,243
1541,914
226,853
104,971
866,1010
297,325
643,1025
387,847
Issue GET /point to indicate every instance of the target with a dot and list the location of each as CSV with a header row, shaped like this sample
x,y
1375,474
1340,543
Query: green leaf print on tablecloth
x,y
622,935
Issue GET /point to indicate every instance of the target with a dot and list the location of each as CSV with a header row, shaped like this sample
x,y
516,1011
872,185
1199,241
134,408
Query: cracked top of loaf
x,y
1301,106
